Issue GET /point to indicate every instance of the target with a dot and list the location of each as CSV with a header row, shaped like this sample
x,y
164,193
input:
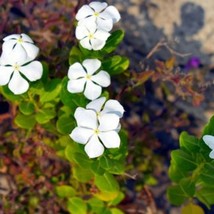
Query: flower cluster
x,y
98,126
17,63
99,123
94,23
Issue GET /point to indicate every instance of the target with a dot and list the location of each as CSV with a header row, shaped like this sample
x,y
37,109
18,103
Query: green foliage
x,y
191,170
76,205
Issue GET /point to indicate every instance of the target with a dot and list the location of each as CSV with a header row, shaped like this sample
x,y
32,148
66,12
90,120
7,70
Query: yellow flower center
x,y
96,14
16,67
19,40
88,76
91,36
96,131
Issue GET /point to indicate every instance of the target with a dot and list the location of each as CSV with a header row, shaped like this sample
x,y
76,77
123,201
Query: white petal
x,y
13,37
102,35
108,122
17,84
85,43
81,135
5,74
76,71
102,78
98,6
211,155
110,139
86,118
97,44
83,12
76,86
81,32
92,91
104,24
94,148
26,38
209,140
31,49
88,21
96,104
33,70
18,54
113,106
8,46
111,12
91,65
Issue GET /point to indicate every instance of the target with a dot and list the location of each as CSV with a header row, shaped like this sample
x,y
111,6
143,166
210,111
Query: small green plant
x,y
191,171
50,109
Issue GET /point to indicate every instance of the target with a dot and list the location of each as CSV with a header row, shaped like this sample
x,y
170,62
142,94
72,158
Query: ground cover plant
x,y
72,140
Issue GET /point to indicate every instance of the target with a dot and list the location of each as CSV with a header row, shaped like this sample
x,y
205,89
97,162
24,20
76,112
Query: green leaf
x,y
209,128
26,108
96,205
175,173
45,115
75,55
176,195
76,205
24,121
189,142
82,159
9,95
96,167
188,186
183,160
207,175
207,193
115,65
52,90
65,124
116,211
65,191
106,182
82,174
113,41
70,150
192,209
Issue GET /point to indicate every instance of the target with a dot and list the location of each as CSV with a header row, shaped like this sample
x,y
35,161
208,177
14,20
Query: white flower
x,y
100,13
94,134
13,73
91,37
209,140
19,47
83,78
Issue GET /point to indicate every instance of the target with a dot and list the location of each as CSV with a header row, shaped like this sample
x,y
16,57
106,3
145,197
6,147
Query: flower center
x,y
96,14
91,36
16,67
88,76
19,40
96,131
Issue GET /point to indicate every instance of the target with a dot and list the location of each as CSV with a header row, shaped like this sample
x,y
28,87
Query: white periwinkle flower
x,y
20,47
209,140
91,37
95,134
84,77
100,13
12,72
